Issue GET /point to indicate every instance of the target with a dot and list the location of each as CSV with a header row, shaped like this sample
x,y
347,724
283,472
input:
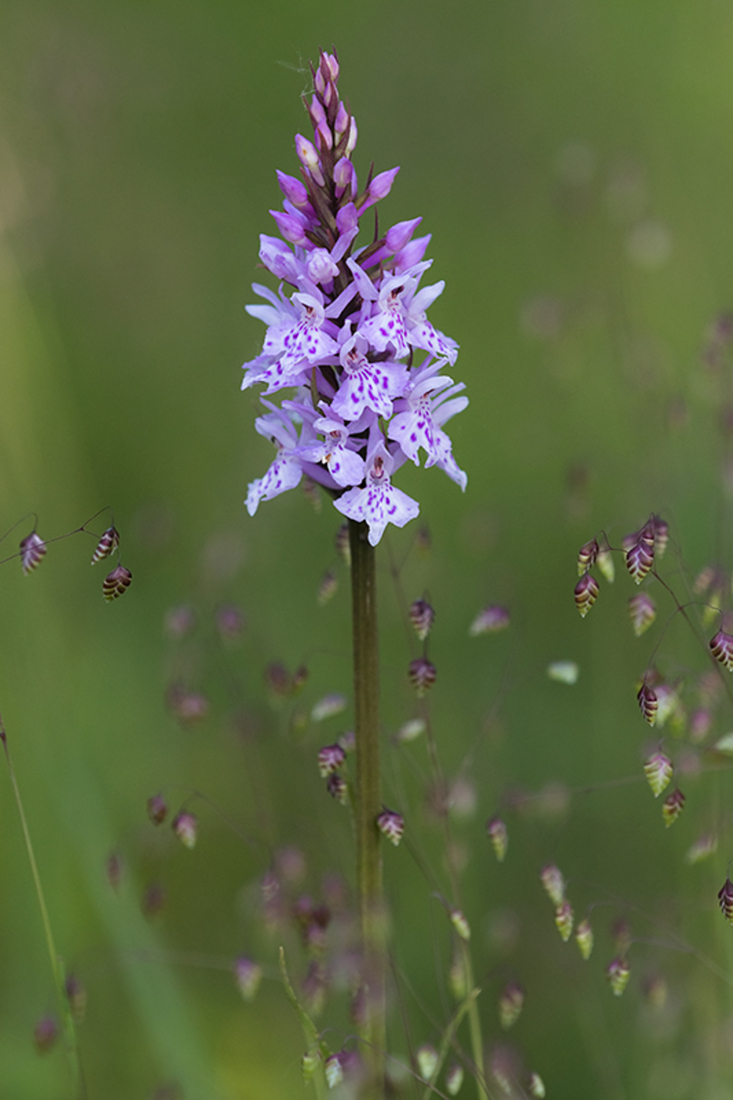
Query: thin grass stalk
x,y
69,1030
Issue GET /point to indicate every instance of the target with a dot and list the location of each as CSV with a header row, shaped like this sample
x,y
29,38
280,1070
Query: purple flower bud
x,y
316,111
411,254
330,759
116,582
422,675
294,190
323,135
107,545
248,976
347,218
185,826
32,551
291,227
157,809
391,825
586,593
341,122
351,143
344,177
422,617
379,188
400,234
308,157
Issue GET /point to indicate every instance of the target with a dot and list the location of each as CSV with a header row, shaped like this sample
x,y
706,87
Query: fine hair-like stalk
x,y
368,805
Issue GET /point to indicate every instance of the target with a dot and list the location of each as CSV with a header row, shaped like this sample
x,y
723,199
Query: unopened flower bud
x,y
294,190
554,883
185,826
721,647
337,787
400,234
353,134
648,703
725,898
427,1059
157,809
490,621
308,157
292,228
672,807
564,919
391,825
640,555
116,582
618,973
330,759
422,675
248,976
32,551
658,770
511,1003
587,556
422,617
461,925
76,995
45,1033
499,837
341,122
334,1071
642,612
536,1086
586,593
584,938
454,1079
107,545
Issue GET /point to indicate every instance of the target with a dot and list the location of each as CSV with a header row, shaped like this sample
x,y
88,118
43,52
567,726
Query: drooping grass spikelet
x,y
586,593
673,806
32,552
648,703
658,770
107,545
721,647
116,582
642,612
499,837
618,973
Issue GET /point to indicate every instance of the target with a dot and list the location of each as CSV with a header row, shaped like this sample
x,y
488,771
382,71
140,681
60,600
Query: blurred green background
x,y
573,161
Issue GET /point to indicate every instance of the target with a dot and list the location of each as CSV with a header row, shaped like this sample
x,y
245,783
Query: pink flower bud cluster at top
x,y
351,336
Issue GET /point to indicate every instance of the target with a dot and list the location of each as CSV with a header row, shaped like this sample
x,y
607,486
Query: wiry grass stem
x,y
69,1031
368,805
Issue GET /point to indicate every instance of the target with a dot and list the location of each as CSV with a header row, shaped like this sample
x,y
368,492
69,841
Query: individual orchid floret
x,y
345,466
422,413
293,345
286,470
308,157
378,189
379,502
366,385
